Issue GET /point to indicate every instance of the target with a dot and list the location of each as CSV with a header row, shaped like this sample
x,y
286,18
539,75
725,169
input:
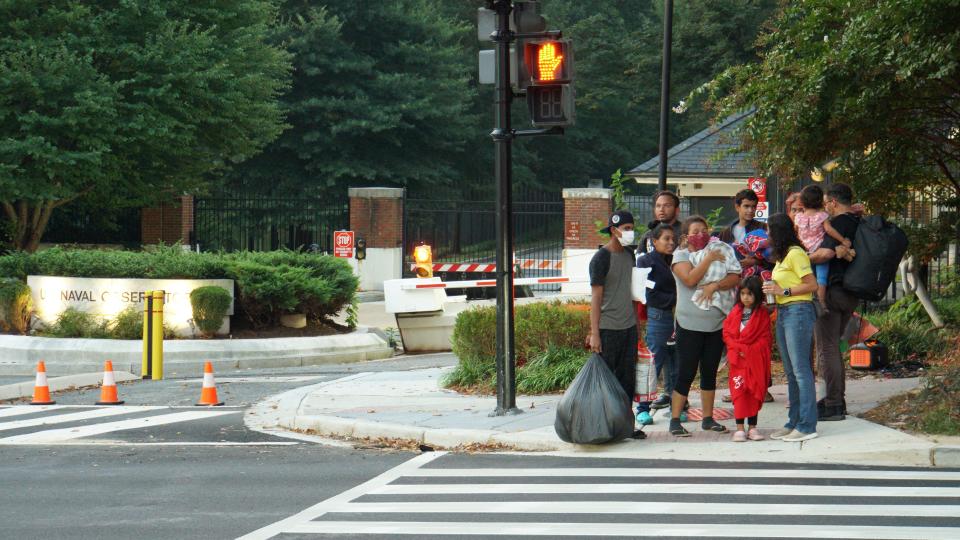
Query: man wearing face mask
x,y
613,318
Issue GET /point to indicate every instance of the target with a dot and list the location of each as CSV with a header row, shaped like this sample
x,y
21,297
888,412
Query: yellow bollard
x,y
157,335
146,365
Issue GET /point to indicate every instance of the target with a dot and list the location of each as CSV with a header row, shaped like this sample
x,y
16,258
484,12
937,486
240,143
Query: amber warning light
x,y
547,61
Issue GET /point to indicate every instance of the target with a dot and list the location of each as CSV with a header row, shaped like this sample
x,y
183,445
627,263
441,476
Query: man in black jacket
x,y
840,303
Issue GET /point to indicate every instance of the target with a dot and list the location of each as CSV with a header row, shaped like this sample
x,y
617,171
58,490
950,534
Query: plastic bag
x,y
594,408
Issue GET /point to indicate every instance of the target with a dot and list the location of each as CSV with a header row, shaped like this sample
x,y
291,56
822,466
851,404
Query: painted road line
x,y
306,516
103,442
643,530
18,410
265,379
653,488
616,472
66,434
648,507
74,417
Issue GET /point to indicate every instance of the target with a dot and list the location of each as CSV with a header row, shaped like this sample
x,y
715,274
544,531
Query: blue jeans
x,y
659,330
794,338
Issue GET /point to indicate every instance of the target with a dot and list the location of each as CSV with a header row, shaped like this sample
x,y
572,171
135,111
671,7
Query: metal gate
x,y
460,227
262,224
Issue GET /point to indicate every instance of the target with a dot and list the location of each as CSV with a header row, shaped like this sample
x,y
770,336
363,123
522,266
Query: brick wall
x,y
376,215
581,210
168,223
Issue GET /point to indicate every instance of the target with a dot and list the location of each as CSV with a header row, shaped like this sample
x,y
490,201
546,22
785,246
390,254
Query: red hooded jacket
x,y
748,354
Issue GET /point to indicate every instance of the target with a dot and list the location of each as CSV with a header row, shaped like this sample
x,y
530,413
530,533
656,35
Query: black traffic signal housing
x,y
526,20
550,94
361,249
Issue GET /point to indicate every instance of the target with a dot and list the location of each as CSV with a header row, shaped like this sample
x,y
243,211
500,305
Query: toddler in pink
x,y
812,225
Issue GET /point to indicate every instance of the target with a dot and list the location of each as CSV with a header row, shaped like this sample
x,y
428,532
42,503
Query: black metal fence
x,y
460,227
262,224
82,225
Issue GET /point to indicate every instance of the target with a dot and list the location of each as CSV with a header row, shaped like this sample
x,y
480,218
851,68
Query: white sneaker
x,y
798,436
781,433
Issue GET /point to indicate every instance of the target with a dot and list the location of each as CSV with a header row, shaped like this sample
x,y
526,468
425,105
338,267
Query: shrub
x,y
551,333
269,284
210,305
128,324
16,306
74,323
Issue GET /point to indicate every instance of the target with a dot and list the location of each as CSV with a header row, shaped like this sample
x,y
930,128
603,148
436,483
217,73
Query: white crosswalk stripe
x,y
420,498
88,421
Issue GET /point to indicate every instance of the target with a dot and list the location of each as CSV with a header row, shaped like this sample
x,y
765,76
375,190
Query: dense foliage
x,y
269,284
16,306
871,87
129,101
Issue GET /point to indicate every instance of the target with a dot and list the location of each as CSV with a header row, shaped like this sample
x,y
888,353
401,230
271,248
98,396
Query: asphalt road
x,y
164,492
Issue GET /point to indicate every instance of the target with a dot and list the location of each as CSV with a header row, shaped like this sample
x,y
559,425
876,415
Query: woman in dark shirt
x,y
660,303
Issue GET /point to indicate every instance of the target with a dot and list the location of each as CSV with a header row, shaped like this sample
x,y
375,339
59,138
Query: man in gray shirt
x,y
613,317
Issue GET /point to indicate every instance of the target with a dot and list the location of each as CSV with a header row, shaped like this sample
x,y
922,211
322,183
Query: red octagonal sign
x,y
343,244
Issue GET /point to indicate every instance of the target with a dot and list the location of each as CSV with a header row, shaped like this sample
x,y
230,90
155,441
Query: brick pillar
x,y
168,223
376,215
582,209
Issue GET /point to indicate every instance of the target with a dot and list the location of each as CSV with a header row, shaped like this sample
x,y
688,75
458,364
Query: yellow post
x,y
157,334
147,341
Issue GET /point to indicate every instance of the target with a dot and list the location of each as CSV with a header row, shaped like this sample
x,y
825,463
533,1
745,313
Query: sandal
x,y
709,424
677,429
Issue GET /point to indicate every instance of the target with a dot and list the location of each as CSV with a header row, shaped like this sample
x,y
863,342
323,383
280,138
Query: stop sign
x,y
343,244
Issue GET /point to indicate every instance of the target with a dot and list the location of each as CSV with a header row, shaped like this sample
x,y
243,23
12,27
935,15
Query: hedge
x,y
548,339
269,284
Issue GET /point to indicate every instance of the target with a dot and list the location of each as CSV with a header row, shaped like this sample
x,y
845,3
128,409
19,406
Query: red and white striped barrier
x,y
526,264
467,284
539,264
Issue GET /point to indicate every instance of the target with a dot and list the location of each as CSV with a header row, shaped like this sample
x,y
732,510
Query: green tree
x,y
142,99
871,86
380,94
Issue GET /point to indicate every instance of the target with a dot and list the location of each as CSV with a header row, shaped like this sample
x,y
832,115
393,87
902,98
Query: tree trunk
x,y
912,283
29,221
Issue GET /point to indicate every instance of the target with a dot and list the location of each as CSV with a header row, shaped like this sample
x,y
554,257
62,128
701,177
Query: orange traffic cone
x,y
108,391
41,392
208,395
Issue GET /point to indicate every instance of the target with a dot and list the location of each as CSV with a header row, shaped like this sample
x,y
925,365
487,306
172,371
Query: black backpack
x,y
880,246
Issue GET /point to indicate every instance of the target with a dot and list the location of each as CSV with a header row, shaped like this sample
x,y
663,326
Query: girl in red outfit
x,y
746,332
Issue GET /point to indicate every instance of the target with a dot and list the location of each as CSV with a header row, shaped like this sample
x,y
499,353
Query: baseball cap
x,y
620,217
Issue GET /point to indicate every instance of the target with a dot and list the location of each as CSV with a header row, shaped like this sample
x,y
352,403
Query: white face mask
x,y
626,238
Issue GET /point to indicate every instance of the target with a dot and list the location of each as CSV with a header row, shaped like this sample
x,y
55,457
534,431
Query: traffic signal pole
x,y
503,139
665,93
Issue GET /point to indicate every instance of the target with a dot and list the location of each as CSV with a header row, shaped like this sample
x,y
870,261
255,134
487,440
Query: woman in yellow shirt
x,y
794,284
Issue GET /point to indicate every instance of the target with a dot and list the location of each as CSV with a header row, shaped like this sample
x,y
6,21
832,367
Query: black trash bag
x,y
594,409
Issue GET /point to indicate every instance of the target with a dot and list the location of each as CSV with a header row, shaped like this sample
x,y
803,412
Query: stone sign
x,y
106,297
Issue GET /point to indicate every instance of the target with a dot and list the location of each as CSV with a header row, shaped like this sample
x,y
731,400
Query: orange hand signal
x,y
548,61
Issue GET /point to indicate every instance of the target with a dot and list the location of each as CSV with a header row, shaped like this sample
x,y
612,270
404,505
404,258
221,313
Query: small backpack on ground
x,y
880,246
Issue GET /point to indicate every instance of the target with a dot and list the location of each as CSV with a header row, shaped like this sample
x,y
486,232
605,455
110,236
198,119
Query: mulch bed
x,y
313,329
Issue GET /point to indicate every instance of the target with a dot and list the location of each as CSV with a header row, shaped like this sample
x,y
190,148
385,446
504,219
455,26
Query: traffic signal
x,y
423,261
361,249
550,96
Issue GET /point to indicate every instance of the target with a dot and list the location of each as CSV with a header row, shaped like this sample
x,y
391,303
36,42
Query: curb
x,y
438,438
19,354
58,384
945,456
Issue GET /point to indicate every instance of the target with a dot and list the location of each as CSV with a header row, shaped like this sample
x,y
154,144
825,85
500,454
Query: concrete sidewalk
x,y
410,405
